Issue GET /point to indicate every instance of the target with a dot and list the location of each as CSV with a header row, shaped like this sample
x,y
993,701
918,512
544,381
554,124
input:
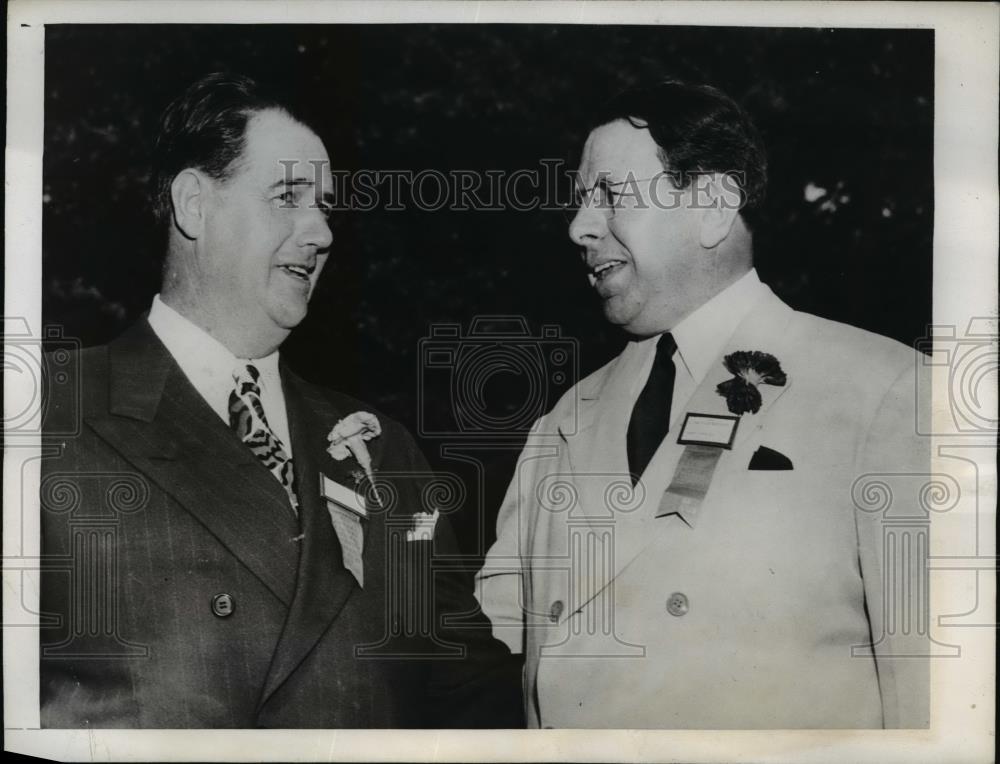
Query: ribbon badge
x,y
347,507
706,436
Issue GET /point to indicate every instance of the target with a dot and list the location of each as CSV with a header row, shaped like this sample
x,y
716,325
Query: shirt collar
x,y
702,335
206,362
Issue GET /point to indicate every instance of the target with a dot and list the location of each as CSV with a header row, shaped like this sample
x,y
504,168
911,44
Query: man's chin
x,y
287,323
287,314
618,312
634,325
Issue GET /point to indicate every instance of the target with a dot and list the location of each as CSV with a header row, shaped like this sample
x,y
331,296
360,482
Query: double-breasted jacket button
x,y
677,604
223,605
555,611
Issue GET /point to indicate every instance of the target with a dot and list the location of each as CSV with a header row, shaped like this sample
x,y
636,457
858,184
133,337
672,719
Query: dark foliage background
x,y
847,116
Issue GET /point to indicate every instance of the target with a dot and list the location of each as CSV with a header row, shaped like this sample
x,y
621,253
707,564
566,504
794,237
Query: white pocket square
x,y
423,526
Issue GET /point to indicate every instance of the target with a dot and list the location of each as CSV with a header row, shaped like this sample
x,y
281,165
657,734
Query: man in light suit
x,y
689,539
209,562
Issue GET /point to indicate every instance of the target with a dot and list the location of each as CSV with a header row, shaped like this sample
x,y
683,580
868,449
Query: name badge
x,y
708,430
344,496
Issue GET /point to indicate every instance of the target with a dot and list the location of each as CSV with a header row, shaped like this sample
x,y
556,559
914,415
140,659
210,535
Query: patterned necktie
x,y
246,417
650,420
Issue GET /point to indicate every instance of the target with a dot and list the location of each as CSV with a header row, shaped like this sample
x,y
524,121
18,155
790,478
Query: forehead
x,y
618,148
273,139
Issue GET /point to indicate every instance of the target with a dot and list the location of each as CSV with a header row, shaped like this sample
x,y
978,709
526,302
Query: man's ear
x,y
188,192
718,195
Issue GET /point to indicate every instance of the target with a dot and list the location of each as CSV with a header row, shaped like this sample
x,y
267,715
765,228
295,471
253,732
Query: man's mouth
x,y
301,272
602,270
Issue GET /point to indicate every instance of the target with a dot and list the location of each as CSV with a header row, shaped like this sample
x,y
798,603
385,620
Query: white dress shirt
x,y
701,338
209,366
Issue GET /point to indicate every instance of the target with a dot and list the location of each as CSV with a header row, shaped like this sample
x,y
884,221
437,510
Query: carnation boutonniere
x,y
749,368
348,437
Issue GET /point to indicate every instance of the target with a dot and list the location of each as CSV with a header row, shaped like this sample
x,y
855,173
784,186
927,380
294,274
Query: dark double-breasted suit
x,y
181,590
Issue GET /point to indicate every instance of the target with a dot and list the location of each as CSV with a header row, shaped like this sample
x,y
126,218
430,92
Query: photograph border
x,y
964,293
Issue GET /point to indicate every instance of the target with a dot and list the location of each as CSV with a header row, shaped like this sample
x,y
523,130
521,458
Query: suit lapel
x,y
607,418
599,465
324,584
602,421
160,424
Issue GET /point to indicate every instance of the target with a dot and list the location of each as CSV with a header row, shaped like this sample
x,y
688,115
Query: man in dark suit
x,y
214,560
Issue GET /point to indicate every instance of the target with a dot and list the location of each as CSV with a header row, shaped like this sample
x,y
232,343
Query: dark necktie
x,y
246,417
650,420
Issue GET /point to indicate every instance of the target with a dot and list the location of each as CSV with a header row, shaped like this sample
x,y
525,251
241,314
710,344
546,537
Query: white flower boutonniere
x,y
348,437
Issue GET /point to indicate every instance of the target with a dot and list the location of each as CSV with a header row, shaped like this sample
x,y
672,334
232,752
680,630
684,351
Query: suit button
x,y
677,604
223,605
555,611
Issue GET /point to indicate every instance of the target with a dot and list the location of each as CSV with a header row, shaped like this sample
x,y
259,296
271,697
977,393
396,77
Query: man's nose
x,y
315,230
589,224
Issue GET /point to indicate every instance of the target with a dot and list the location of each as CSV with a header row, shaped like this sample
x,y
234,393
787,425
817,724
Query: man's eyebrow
x,y
329,197
287,182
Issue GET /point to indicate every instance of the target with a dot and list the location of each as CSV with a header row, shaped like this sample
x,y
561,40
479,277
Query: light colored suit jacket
x,y
791,598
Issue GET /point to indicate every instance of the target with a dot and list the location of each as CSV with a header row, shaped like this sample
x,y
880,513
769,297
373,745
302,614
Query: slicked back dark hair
x,y
698,129
205,128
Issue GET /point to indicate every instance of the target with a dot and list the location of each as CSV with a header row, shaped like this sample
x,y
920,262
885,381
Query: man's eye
x,y
287,198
